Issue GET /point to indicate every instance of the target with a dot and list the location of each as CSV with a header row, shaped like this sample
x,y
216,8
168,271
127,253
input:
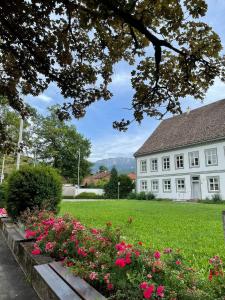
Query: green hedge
x,y
31,187
141,196
86,195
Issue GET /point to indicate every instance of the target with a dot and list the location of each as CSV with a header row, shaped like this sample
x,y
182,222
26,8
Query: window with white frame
x,y
166,163
144,185
154,164
211,157
213,184
180,182
194,159
143,165
167,185
155,185
179,160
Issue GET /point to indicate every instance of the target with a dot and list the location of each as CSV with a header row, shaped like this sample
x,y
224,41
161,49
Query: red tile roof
x,y
200,125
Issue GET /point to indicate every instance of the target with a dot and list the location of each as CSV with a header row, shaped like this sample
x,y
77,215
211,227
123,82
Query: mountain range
x,y
122,164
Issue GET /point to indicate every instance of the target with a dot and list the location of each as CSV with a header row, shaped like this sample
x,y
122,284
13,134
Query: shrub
x,y
87,195
3,188
126,186
141,196
216,198
119,270
132,195
33,186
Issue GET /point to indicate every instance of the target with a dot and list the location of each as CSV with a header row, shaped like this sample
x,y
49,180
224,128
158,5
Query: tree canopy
x,y
77,43
57,143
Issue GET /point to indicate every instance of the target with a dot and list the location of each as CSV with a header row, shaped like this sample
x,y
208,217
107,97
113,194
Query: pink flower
x,y
144,285
36,251
148,292
149,276
49,247
3,212
93,276
178,262
94,231
121,246
30,233
160,291
120,262
157,255
48,222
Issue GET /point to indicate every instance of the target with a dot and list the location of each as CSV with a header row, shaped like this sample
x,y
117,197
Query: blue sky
x,y
97,124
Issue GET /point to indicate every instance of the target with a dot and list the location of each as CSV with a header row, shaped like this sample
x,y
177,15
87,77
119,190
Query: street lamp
x,y
118,190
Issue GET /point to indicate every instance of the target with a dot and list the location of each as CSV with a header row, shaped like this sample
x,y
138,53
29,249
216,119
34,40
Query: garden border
x,y
50,279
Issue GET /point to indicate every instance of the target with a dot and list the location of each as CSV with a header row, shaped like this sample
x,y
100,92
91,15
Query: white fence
x,y
71,190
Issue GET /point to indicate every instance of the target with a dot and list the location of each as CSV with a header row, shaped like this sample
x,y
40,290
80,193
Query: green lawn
x,y
196,229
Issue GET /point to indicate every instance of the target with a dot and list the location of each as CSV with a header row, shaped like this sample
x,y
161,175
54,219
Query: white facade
x,y
194,172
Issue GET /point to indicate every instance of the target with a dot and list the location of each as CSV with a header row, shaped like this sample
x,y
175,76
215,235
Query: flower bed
x,y
117,269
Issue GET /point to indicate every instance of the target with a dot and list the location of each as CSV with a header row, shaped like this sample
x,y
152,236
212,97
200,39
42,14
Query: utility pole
x,y
2,171
78,169
19,142
3,162
118,190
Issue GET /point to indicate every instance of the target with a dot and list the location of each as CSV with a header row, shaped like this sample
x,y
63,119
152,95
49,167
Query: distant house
x,y
132,176
96,178
184,158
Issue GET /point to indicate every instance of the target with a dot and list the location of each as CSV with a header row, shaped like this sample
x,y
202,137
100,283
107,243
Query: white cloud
x,y
44,98
121,78
118,146
215,92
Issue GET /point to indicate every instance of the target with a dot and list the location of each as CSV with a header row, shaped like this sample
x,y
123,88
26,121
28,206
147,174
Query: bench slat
x,y
57,285
85,290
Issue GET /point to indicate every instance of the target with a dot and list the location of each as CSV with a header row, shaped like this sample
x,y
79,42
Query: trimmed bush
x,y
31,187
86,195
141,196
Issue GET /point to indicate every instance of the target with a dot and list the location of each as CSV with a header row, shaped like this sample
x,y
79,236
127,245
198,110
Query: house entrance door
x,y
196,188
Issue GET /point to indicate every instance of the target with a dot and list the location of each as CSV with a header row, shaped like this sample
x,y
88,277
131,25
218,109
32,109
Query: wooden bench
x,y
53,281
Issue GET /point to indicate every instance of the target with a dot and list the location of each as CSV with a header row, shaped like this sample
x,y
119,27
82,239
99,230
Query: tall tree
x,y
75,44
111,188
58,144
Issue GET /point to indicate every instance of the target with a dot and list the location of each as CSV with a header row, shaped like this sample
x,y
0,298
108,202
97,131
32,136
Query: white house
x,y
184,158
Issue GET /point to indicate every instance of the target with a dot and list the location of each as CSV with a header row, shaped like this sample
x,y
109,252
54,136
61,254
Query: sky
x,y
97,124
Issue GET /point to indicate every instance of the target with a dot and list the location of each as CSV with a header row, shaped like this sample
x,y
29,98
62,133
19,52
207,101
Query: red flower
x,y
149,291
81,252
30,233
144,285
160,291
140,243
178,262
94,231
157,255
36,251
127,259
120,262
109,286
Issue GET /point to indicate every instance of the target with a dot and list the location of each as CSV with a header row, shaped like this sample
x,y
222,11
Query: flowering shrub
x,y
3,212
117,269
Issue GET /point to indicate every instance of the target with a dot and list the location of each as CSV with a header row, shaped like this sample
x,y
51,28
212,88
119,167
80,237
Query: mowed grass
x,y
196,229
